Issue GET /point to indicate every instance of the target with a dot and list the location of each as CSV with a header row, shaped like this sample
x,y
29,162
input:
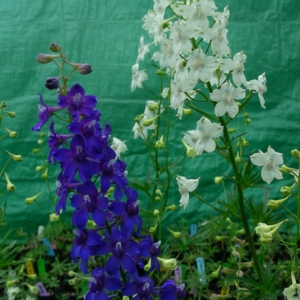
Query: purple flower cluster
x,y
90,172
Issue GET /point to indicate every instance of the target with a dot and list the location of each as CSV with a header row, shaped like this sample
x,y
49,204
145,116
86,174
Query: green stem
x,y
238,176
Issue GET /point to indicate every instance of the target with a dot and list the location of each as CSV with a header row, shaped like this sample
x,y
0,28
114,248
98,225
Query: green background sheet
x,y
106,34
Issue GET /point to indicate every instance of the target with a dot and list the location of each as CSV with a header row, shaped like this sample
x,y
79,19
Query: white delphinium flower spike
x,y
118,146
186,186
225,98
269,161
137,77
259,86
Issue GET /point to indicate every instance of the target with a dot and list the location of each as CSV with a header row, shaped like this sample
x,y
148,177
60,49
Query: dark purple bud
x,y
52,83
45,58
82,69
54,47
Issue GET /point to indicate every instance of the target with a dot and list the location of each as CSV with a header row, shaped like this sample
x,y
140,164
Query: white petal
x,y
216,130
210,145
220,109
267,174
184,201
258,159
233,109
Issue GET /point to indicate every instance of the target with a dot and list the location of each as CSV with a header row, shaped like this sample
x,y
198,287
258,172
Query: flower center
x,y
87,198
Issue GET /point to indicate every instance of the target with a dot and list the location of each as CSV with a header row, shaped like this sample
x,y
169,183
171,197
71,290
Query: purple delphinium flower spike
x,y
78,103
99,283
45,112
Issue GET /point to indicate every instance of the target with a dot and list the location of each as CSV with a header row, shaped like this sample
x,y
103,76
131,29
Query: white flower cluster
x,y
183,40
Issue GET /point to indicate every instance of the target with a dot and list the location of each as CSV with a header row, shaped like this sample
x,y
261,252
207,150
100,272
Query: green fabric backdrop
x,y
106,35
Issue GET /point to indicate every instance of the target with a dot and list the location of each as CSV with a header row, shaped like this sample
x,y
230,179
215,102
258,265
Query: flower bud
x,y
160,72
32,276
273,204
10,283
45,174
52,83
12,134
54,47
72,274
176,234
45,58
153,229
157,198
218,179
35,151
53,217
165,93
296,154
82,69
153,106
219,238
148,122
9,186
3,104
147,266
248,121
285,169
39,168
237,158
187,111
215,274
160,143
156,212
33,289
125,298
168,264
241,231
171,207
15,157
11,114
246,115
228,271
190,152
158,192
232,130
287,190
30,200
72,281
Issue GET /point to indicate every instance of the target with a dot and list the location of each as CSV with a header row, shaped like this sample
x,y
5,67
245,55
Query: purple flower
x,y
122,251
142,287
169,291
150,249
62,191
45,112
128,210
99,283
77,103
88,201
52,83
74,159
87,243
56,140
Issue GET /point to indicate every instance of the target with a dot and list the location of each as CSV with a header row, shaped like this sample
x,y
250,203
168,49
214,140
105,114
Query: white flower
x,y
118,146
186,186
137,77
208,131
200,65
259,86
270,161
167,56
225,98
178,93
143,50
12,291
238,75
293,289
